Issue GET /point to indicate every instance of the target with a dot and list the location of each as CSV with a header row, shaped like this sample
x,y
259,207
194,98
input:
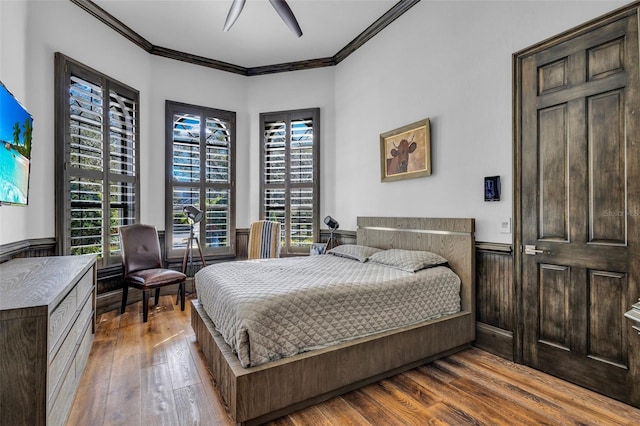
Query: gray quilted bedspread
x,y
270,309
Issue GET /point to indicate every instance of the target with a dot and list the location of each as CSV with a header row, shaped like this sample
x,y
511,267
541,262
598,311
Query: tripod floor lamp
x,y
332,224
193,216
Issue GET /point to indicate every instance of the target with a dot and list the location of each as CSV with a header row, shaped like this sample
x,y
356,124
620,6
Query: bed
x,y
273,388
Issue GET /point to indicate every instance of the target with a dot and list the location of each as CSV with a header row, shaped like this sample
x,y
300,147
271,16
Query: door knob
x,y
531,249
634,315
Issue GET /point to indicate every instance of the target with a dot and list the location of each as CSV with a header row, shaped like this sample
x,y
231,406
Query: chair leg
x,y
157,295
125,291
181,292
145,305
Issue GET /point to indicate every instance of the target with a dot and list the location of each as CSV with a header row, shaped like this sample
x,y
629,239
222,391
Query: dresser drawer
x,y
84,287
59,409
84,350
61,316
85,316
62,357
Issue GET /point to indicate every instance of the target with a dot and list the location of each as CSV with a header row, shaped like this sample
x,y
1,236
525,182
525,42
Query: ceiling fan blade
x,y
234,12
287,16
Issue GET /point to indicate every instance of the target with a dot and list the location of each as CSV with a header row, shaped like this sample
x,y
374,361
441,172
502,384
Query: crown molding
x,y
115,24
381,23
391,15
197,60
292,66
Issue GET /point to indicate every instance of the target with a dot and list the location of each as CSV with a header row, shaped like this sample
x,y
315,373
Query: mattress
x,y
273,308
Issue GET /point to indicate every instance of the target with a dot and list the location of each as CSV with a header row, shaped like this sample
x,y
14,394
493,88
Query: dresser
x,y
47,323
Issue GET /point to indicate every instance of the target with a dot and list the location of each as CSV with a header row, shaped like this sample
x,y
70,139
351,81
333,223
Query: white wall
x,y
182,82
13,66
32,31
450,61
286,91
48,27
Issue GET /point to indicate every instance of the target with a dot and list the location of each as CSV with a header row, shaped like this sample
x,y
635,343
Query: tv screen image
x,y
16,129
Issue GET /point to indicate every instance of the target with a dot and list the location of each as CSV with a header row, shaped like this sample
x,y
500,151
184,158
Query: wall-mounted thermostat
x,y
492,188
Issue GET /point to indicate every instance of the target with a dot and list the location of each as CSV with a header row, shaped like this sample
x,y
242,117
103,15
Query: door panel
x,y
554,306
607,189
552,76
606,59
607,334
553,173
579,195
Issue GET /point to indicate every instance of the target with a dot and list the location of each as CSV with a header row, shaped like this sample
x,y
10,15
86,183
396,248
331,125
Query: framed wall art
x,y
405,153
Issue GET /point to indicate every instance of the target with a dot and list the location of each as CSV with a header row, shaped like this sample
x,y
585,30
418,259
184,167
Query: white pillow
x,y
354,251
407,260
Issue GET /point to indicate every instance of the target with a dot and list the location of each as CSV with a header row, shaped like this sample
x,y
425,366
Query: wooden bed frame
x,y
259,394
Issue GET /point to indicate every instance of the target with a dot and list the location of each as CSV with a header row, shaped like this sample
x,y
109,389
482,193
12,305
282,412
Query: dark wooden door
x,y
580,207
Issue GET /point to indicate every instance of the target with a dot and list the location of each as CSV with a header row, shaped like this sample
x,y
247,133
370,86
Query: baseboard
x,y
494,340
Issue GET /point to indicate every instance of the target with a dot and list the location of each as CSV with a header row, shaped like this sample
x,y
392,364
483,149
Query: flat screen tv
x,y
16,129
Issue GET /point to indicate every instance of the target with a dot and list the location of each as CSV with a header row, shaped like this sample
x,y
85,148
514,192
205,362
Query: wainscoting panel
x,y
495,299
242,243
28,248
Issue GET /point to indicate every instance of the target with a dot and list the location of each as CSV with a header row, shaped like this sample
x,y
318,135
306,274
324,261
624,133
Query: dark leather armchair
x,y
142,261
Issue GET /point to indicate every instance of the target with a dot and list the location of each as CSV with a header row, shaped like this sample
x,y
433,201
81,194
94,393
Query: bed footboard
x,y
259,394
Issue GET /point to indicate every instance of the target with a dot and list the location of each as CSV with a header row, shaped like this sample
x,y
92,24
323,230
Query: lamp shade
x,y
194,214
331,223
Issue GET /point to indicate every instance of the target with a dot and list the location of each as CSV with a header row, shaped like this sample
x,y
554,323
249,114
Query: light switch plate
x,y
505,225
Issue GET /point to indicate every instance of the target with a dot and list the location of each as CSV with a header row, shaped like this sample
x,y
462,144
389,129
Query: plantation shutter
x,y
122,166
200,165
290,176
97,157
86,167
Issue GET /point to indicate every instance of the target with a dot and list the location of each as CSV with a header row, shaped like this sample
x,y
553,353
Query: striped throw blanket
x,y
264,239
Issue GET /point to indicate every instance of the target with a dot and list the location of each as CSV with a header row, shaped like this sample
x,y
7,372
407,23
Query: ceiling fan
x,y
280,6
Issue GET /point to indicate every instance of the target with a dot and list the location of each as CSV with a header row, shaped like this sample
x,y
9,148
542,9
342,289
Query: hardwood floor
x,y
154,374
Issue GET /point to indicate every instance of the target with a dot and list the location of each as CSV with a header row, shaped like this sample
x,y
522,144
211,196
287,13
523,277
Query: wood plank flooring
x,y
154,374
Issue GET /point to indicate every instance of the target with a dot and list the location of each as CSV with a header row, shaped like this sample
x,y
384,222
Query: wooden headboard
x,y
453,239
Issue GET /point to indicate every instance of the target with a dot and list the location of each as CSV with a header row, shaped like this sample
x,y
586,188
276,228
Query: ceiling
x,y
259,38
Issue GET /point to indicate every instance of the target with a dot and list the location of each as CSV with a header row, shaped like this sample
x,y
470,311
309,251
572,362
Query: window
x,y
200,164
97,161
290,176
